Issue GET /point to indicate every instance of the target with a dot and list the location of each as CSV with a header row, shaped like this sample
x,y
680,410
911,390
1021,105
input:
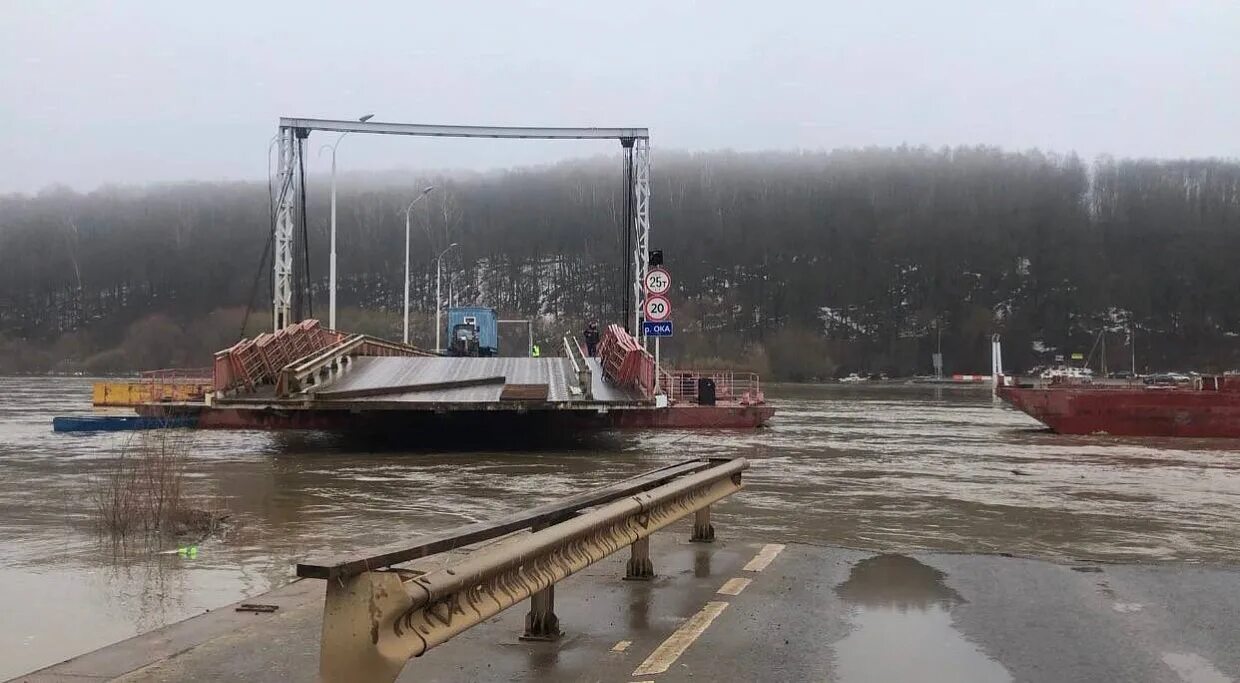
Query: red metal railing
x,y
625,363
177,373
251,362
175,384
681,386
264,359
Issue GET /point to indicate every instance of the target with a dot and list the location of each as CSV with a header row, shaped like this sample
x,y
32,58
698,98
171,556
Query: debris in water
x,y
256,608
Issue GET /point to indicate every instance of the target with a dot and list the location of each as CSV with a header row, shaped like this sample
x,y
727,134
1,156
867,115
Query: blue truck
x,y
473,331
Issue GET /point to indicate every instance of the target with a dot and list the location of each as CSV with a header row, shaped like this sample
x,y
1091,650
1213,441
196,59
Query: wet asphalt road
x,y
813,613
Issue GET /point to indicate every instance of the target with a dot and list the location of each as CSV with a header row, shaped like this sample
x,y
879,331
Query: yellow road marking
x,y
733,586
764,557
621,646
676,644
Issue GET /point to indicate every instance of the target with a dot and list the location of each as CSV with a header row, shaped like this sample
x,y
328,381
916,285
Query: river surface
x,y
890,468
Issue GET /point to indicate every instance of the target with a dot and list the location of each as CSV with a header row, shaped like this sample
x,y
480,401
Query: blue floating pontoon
x,y
117,423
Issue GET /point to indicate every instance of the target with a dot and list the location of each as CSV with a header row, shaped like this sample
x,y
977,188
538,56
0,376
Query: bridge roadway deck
x,y
368,373
812,613
373,373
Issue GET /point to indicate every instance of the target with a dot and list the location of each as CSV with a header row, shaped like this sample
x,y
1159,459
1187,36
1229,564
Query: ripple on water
x,y
889,469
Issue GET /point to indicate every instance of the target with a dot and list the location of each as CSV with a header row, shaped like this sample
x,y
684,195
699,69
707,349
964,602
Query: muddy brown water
x,y
893,469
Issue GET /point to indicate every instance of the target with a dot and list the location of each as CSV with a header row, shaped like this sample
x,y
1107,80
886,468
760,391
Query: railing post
x,y
703,530
639,567
350,610
541,622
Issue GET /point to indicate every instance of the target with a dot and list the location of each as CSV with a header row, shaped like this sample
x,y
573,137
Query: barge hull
x,y
1130,412
676,417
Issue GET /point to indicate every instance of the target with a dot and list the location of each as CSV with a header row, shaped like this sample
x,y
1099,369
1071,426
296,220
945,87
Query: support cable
x,y
626,255
305,233
258,277
263,263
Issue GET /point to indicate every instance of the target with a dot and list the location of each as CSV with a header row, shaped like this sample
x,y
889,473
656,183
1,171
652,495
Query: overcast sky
x,y
131,92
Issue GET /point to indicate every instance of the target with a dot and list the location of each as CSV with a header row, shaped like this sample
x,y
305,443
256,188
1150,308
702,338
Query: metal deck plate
x,y
604,391
375,372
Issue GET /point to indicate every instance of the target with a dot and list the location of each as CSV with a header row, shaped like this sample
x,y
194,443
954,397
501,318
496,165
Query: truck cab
x,y
472,331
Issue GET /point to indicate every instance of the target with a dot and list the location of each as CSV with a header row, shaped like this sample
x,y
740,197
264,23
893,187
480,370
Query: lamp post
x,y
438,292
331,305
408,209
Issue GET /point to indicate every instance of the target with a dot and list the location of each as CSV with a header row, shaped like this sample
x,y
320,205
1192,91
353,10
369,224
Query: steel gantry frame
x,y
290,199
283,257
641,229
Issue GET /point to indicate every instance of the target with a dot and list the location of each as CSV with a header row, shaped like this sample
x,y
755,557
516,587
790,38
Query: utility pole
x,y
938,355
331,296
408,209
1104,352
438,295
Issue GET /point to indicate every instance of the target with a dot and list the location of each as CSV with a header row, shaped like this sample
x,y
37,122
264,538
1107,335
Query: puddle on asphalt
x,y
902,627
1193,668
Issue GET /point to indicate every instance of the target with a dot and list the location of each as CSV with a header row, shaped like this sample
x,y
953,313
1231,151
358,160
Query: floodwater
x,y
893,469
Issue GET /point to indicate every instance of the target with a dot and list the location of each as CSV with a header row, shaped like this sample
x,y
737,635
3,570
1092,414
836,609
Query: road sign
x,y
658,281
657,308
659,329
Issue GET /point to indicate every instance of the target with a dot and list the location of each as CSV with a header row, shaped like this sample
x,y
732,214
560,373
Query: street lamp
x,y
409,208
438,295
331,304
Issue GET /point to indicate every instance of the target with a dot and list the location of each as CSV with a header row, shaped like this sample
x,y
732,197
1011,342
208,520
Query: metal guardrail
x,y
326,363
197,374
375,619
581,369
308,372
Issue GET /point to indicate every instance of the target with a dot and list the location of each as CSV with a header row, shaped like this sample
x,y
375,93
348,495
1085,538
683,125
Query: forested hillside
x,y
803,265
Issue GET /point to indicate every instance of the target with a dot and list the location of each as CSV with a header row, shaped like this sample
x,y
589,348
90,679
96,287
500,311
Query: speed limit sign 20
x,y
657,308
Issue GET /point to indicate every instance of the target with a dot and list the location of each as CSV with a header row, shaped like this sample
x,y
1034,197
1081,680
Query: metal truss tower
x,y
641,228
288,151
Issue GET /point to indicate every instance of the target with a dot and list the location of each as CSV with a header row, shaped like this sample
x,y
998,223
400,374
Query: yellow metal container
x,y
126,394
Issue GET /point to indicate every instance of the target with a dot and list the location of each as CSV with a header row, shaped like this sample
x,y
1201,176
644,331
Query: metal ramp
x,y
448,380
604,391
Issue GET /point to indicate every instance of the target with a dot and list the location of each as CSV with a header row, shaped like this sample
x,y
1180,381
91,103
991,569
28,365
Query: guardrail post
x,y
703,530
541,622
347,651
639,567
586,380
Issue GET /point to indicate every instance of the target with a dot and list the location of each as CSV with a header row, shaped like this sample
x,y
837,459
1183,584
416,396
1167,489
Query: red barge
x,y
307,377
1208,407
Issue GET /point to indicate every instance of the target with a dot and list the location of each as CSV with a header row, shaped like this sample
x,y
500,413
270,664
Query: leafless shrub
x,y
143,488
115,495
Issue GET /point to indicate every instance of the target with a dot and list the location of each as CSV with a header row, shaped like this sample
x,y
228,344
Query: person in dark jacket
x,y
591,335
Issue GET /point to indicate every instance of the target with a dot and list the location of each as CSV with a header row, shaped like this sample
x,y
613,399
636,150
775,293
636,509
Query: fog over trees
x,y
802,265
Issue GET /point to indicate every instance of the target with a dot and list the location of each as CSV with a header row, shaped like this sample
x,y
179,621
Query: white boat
x,y
1068,373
